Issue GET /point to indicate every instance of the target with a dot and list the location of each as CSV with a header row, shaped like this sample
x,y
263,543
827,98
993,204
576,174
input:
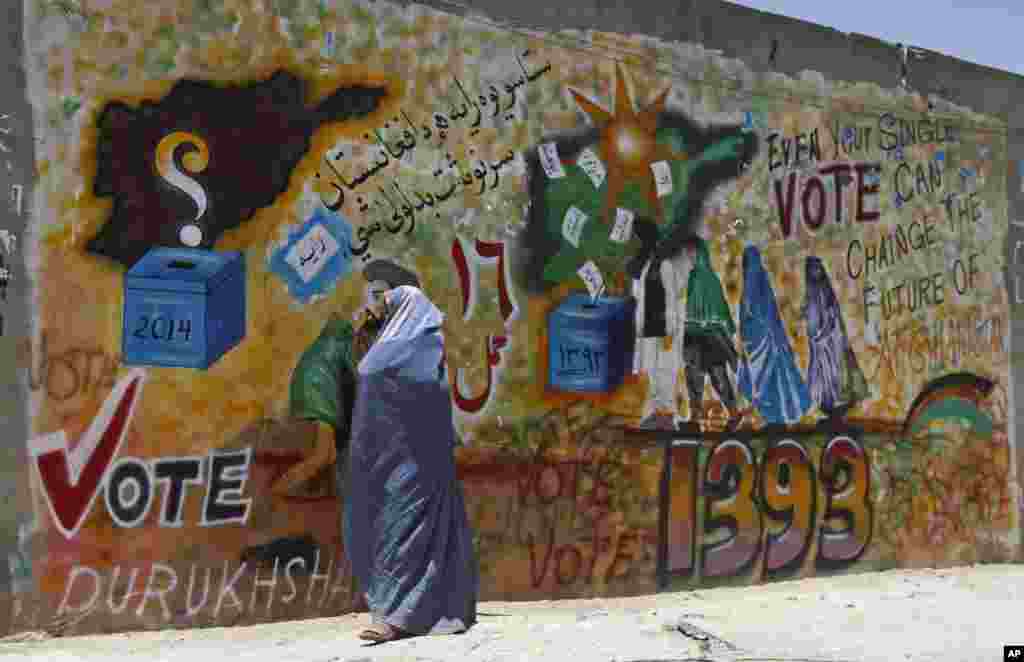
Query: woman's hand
x,y
378,307
365,334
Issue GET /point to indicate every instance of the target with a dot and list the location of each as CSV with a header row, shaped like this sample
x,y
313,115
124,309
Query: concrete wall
x,y
257,125
17,151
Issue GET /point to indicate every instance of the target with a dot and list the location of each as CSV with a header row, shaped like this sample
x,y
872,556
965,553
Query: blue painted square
x,y
315,255
590,344
183,307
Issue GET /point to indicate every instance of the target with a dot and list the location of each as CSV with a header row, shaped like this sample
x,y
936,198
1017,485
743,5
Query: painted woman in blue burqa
x,y
768,375
406,529
835,379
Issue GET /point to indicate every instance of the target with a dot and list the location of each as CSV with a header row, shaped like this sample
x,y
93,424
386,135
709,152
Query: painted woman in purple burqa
x,y
835,379
768,375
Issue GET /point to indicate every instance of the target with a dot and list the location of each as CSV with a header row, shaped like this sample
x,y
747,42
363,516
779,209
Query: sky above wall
x,y
985,32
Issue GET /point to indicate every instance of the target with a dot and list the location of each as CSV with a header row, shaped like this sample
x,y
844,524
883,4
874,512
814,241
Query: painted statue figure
x,y
768,375
657,284
708,349
833,374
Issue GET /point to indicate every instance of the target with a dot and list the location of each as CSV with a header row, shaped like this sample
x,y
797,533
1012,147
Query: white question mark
x,y
195,161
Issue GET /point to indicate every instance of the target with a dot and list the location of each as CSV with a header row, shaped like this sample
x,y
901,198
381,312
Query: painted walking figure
x,y
768,375
836,381
5,278
656,288
708,350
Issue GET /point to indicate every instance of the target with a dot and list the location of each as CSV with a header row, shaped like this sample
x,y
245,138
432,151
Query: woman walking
x,y
406,530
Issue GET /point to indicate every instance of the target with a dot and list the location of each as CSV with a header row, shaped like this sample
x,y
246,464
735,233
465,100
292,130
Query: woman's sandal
x,y
382,632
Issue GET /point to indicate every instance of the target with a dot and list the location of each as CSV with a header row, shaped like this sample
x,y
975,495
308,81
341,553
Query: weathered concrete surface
x,y
956,614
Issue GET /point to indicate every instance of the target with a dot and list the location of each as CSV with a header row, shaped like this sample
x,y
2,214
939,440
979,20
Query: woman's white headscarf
x,y
411,342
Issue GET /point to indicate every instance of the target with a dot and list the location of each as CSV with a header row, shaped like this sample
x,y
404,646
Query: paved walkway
x,y
950,615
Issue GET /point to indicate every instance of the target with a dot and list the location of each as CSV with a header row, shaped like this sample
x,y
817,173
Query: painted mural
x,y
798,281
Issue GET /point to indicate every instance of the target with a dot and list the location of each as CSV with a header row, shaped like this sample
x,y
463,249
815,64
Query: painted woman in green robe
x,y
708,349
323,382
323,390
321,398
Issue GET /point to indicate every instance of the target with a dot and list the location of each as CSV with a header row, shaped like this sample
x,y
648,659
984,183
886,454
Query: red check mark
x,y
71,479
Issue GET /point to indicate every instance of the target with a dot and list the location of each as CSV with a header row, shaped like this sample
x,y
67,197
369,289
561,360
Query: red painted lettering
x,y
71,479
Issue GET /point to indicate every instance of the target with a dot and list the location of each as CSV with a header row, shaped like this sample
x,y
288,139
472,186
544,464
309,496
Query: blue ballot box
x,y
183,307
590,343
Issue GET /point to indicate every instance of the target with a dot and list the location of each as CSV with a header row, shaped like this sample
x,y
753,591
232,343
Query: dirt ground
x,y
949,615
